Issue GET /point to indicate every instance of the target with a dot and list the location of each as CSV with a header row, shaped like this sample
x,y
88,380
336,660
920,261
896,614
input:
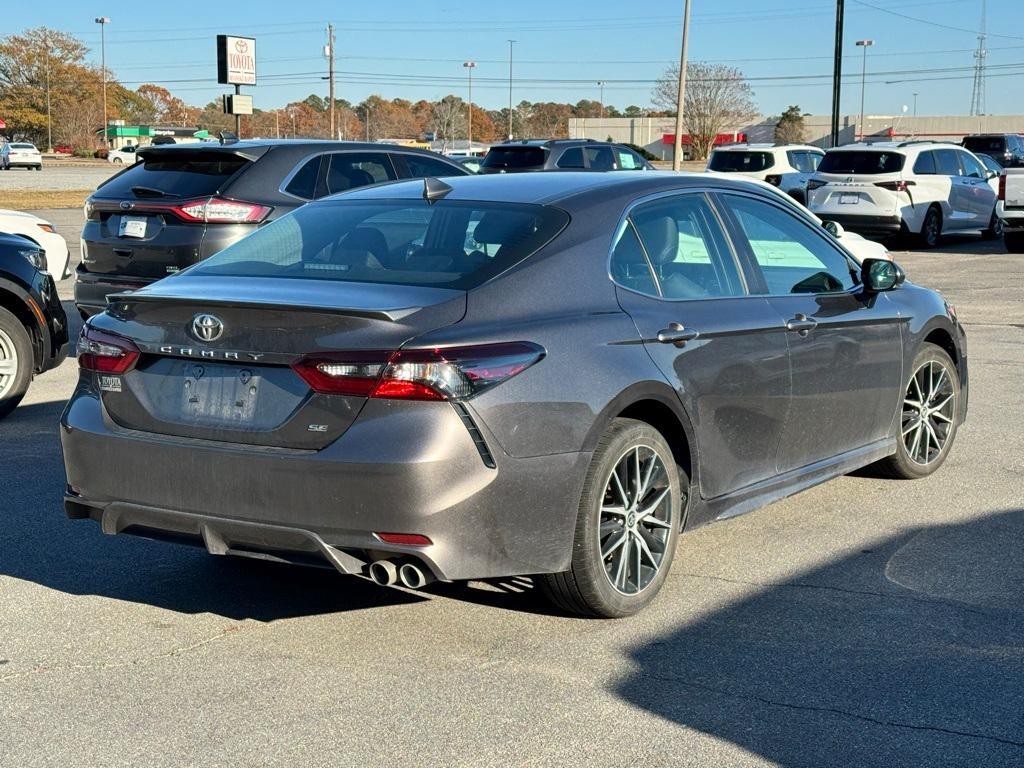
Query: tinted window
x,y
995,144
349,170
805,162
731,161
450,244
630,268
794,257
184,174
600,158
22,145
303,183
421,165
629,161
991,163
946,162
686,248
861,162
972,166
571,158
514,157
925,164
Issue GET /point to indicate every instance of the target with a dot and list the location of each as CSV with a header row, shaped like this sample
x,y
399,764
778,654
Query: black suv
x,y
1007,149
33,326
181,203
562,154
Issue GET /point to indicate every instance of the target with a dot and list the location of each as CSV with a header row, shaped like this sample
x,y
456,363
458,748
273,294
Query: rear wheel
x,y
627,525
995,228
931,229
118,161
1014,242
928,417
15,362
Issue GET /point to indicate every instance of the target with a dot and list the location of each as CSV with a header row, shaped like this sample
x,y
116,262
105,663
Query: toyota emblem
x,y
207,327
241,46
126,205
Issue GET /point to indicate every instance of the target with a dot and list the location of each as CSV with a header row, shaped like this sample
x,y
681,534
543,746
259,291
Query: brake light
x,y
448,373
1002,187
216,210
815,184
895,186
105,352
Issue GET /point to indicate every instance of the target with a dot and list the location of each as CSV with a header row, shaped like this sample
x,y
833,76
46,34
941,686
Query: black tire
x,y
586,588
1014,242
902,465
931,229
995,228
14,335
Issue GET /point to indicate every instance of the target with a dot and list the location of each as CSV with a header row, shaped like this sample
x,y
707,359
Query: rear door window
x,y
571,158
350,170
183,175
947,163
732,161
600,158
925,164
303,183
862,162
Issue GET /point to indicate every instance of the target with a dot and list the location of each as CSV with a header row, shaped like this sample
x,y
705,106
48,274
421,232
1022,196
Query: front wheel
x,y
928,418
627,525
995,228
15,362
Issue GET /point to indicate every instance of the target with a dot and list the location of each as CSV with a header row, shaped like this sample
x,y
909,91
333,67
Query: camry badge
x,y
207,327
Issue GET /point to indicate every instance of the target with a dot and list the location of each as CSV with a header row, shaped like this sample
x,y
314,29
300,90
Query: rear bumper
x,y
864,225
91,290
401,468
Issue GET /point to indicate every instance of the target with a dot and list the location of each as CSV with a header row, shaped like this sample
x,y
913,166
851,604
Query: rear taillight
x,y
1002,187
216,210
104,352
895,186
816,184
448,373
774,179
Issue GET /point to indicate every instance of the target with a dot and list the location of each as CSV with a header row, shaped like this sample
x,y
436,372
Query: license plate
x,y
219,395
849,198
132,226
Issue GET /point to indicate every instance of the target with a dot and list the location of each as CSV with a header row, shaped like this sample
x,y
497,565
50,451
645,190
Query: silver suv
x,y
562,154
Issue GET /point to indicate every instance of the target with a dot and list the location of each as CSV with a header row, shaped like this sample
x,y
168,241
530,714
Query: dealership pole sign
x,y
236,60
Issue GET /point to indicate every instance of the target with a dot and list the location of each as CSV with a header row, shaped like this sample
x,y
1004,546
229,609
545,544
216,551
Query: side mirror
x,y
834,228
990,174
881,275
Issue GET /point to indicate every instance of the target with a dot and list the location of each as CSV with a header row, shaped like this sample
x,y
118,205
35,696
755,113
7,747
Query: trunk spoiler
x,y
169,151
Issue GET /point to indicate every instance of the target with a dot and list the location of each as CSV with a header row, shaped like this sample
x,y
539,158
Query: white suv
x,y
786,166
920,188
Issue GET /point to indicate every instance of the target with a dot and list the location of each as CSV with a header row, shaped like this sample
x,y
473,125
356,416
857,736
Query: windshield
x,y
514,157
456,244
731,161
861,162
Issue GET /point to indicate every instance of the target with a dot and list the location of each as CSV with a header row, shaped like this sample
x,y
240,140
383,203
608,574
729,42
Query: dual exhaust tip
x,y
411,575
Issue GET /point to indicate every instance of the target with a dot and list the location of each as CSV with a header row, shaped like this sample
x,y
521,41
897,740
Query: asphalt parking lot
x,y
56,177
863,623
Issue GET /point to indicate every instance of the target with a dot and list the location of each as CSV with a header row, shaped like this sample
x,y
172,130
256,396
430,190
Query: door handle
x,y
802,324
676,334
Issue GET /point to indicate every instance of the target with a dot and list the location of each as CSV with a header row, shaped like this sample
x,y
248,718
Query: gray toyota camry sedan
x,y
483,376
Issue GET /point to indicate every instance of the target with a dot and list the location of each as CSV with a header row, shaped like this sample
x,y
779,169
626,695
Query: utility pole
x,y
837,73
470,65
510,44
915,103
277,123
865,44
600,84
103,21
49,122
329,50
677,153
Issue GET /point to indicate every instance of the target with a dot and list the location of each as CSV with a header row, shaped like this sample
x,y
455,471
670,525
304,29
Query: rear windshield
x,y
985,143
513,157
22,145
738,162
192,174
861,162
456,244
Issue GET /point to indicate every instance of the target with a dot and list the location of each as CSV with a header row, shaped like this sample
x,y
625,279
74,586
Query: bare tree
x,y
448,118
717,97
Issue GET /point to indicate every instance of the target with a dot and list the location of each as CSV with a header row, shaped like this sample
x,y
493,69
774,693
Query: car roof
x,y
264,144
546,187
764,146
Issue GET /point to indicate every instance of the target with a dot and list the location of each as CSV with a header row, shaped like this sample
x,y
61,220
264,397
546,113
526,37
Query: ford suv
x,y
917,188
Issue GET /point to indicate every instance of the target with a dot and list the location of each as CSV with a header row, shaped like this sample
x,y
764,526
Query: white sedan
x,y
124,156
44,234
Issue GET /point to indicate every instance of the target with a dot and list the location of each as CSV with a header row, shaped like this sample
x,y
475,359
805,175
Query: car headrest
x,y
660,235
503,228
366,239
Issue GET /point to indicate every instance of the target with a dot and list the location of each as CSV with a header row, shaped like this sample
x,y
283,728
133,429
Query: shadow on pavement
x,y
911,653
39,544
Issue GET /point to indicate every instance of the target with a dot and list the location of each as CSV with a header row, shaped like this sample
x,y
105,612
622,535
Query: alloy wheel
x,y
636,519
8,363
928,412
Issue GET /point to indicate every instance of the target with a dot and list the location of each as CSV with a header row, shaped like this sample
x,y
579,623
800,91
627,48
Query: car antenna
x,y
434,189
227,137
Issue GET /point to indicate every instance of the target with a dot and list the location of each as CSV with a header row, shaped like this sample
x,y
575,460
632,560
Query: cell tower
x,y
978,91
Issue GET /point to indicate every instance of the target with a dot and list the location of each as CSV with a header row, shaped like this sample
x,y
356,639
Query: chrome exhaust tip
x,y
413,576
384,573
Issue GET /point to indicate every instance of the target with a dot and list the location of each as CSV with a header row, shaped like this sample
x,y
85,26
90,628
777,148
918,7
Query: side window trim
x,y
325,166
742,245
283,189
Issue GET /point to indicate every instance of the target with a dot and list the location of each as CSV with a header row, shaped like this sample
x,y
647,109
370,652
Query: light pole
x,y
915,104
600,84
677,153
103,21
865,44
510,44
470,65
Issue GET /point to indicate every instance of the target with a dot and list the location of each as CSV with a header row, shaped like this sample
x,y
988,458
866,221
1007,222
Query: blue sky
x,y
416,49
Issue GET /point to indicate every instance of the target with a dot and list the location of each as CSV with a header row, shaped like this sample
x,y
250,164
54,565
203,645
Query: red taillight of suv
x,y
104,352
895,186
445,373
1002,187
217,210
